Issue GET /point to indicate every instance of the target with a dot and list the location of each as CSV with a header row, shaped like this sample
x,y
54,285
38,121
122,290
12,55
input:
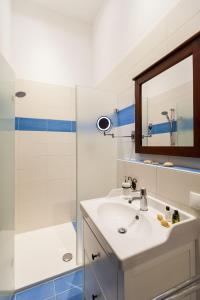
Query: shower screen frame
x,y
191,47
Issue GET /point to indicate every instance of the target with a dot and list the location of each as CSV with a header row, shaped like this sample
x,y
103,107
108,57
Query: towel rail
x,y
181,290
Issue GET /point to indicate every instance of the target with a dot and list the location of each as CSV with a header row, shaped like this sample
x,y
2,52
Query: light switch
x,y
194,200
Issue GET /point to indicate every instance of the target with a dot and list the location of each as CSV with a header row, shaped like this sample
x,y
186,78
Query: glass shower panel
x,y
96,153
7,126
184,111
145,121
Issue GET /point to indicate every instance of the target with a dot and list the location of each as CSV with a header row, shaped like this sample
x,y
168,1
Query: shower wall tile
x,y
46,101
45,160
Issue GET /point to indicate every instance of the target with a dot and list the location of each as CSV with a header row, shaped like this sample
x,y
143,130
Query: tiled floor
x,y
66,287
38,254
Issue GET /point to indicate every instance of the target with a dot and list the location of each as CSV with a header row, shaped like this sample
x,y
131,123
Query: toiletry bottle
x,y
175,217
126,186
168,215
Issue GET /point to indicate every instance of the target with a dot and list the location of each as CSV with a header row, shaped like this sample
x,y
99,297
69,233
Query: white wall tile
x,y
145,174
45,161
44,100
170,185
126,98
176,185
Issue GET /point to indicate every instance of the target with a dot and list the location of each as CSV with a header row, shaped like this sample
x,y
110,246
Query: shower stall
x,y
7,203
59,157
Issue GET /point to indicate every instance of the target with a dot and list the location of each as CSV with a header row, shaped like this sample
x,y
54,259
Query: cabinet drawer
x,y
101,263
92,290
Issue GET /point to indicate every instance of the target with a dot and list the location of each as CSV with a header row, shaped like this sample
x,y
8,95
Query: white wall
x,y
171,29
120,26
5,28
48,47
121,57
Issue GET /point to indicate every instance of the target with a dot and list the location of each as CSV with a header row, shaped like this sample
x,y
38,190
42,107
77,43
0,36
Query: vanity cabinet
x,y
105,279
99,265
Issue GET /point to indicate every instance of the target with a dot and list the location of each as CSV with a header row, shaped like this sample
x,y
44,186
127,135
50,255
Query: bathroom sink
x,y
122,218
115,215
136,236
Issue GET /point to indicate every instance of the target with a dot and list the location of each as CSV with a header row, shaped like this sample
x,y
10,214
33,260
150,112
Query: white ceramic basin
x,y
144,237
118,215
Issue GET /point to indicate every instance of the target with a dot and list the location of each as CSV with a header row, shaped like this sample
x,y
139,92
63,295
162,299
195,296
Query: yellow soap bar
x,y
165,223
159,217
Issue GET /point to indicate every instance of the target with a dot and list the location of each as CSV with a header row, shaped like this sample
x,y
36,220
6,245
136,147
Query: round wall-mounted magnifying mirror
x,y
104,124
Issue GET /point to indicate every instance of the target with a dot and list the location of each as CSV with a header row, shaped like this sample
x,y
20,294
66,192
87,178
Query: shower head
x,y
164,113
20,94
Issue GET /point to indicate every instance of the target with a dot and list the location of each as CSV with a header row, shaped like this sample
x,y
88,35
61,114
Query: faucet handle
x,y
133,183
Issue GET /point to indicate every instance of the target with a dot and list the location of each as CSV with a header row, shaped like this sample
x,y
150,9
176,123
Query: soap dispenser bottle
x,y
175,217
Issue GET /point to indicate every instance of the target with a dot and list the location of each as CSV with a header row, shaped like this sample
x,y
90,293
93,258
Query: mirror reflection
x,y
167,107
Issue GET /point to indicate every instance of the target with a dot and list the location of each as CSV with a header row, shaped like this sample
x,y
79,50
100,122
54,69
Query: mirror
x,y
104,124
167,108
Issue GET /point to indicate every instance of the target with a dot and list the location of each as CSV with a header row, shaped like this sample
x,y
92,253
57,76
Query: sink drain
x,y
67,257
122,230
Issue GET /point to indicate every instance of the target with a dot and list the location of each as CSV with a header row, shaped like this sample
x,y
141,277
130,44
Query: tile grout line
x,y
76,286
33,287
49,281
54,289
70,289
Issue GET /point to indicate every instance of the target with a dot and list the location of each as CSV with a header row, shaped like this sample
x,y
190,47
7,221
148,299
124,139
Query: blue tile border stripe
x,y
125,116
33,124
163,128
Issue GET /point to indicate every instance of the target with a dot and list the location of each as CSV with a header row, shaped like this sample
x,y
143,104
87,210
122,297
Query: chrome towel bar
x,y
181,290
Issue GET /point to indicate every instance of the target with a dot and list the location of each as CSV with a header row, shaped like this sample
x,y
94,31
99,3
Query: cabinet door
x,y
92,290
105,271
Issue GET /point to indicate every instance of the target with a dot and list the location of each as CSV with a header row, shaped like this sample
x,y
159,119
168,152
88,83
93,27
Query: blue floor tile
x,y
68,281
7,297
39,292
74,223
73,294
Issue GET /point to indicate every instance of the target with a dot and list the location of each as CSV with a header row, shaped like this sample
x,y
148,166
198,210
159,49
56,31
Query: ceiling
x,y
84,10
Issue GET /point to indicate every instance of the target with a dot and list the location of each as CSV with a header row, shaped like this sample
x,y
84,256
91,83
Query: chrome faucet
x,y
142,198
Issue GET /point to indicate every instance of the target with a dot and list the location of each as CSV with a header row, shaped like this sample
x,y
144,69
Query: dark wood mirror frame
x,y
189,47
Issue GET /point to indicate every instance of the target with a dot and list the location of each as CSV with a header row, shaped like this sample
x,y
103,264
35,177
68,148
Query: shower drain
x,y
67,257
